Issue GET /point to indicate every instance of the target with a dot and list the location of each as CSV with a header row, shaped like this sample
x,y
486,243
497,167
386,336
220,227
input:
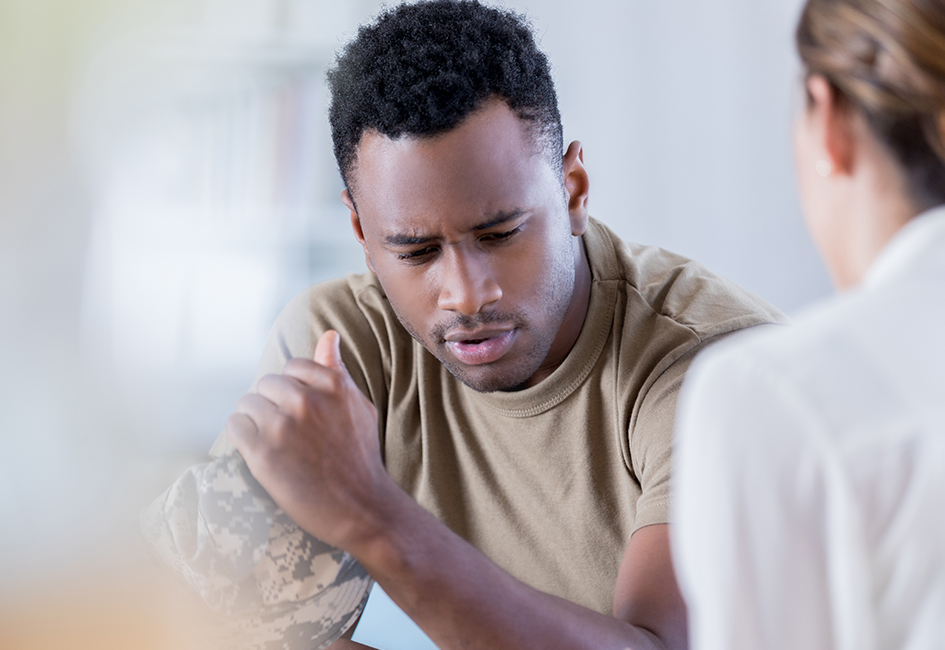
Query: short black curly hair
x,y
421,68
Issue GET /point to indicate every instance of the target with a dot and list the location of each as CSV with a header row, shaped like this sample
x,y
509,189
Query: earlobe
x,y
356,227
577,187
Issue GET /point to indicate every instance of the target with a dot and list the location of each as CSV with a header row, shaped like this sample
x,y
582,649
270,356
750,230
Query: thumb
x,y
328,351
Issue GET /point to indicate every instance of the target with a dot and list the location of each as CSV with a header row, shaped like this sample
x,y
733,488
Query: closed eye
x,y
417,256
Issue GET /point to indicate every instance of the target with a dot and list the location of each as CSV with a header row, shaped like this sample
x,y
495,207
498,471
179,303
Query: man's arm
x,y
462,600
310,438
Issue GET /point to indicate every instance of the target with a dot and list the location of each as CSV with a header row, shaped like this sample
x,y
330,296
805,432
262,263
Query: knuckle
x,y
292,365
265,383
243,403
295,402
232,422
336,383
280,429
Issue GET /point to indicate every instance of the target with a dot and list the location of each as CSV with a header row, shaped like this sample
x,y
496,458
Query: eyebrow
x,y
497,219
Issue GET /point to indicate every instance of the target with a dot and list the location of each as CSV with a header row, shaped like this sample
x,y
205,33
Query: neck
x,y
880,209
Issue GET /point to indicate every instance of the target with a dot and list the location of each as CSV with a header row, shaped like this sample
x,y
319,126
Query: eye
x,y
501,236
417,256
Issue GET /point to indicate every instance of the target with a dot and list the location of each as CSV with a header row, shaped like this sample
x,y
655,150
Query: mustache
x,y
462,321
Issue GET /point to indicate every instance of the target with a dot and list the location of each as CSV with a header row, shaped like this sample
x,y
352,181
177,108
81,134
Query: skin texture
x,y
855,210
468,232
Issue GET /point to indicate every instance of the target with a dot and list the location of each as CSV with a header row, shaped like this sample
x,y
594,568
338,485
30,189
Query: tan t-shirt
x,y
551,481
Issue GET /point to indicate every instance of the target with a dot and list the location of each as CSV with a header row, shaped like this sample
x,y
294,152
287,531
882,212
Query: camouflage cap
x,y
276,586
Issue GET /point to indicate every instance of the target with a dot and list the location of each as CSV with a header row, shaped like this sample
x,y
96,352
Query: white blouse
x,y
810,469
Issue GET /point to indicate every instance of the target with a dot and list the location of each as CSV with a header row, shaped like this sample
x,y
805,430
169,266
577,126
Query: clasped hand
x,y
310,437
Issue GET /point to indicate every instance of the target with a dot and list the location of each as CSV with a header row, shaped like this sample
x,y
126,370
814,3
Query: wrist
x,y
348,514
380,539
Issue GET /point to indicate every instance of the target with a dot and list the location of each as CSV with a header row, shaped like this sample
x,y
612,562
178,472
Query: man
x,y
486,424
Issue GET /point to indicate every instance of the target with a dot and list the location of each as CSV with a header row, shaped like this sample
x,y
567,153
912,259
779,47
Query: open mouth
x,y
478,351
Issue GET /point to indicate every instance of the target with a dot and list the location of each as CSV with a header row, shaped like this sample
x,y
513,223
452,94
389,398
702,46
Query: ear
x,y
577,187
832,119
356,227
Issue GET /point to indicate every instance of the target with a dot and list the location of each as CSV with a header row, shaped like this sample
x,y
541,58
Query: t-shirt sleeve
x,y
651,434
755,496
651,442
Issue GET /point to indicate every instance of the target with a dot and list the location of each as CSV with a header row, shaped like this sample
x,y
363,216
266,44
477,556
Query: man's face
x,y
470,236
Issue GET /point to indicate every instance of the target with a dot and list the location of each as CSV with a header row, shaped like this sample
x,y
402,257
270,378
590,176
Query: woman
x,y
810,477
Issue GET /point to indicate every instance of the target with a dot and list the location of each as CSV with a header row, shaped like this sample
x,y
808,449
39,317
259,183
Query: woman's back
x,y
810,465
830,437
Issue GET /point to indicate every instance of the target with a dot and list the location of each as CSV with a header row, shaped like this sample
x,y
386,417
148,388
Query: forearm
x,y
463,600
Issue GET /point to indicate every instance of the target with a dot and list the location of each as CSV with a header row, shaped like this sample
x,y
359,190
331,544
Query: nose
x,y
467,283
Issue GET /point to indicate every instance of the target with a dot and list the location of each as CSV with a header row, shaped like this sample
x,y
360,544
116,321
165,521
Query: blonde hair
x,y
887,58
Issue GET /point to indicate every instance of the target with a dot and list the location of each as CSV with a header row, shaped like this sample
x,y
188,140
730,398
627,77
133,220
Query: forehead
x,y
489,163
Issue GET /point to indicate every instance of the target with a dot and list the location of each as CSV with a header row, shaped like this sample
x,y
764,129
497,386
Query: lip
x,y
492,345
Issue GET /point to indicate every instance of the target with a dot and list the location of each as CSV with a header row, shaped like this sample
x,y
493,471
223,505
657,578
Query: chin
x,y
491,384
488,378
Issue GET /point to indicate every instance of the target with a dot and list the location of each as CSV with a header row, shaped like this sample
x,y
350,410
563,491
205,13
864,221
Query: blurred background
x,y
167,184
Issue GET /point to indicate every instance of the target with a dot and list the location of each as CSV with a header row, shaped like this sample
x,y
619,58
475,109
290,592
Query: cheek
x,y
411,294
540,279
529,271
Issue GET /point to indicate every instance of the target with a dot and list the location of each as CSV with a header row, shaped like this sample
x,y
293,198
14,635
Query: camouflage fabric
x,y
277,587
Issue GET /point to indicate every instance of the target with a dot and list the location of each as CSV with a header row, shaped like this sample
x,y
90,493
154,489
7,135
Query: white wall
x,y
685,112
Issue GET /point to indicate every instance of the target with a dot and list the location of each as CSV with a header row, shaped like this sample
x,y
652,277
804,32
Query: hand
x,y
310,437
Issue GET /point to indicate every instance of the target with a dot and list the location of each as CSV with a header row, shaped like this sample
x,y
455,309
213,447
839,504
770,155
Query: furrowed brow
x,y
497,219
